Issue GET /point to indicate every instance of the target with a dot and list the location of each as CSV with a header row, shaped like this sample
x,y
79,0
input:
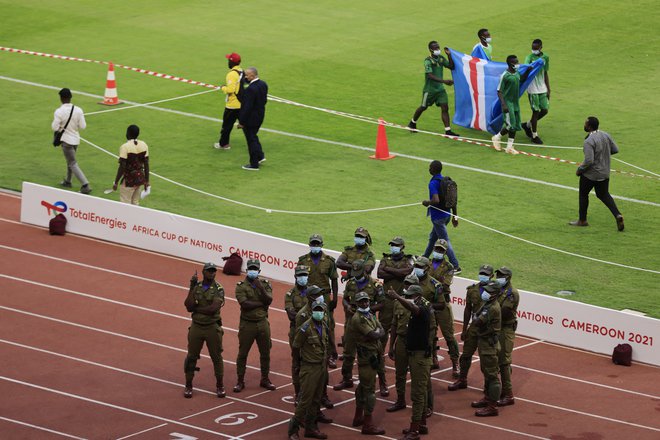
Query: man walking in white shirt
x,y
70,138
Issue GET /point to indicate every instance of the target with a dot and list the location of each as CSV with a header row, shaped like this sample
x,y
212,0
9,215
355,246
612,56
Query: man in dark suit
x,y
253,110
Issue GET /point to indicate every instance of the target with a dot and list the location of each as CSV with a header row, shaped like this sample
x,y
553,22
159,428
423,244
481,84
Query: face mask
x,y
514,66
364,310
395,250
360,241
485,296
315,249
488,40
302,280
536,52
483,278
252,274
501,281
317,315
419,272
437,52
438,255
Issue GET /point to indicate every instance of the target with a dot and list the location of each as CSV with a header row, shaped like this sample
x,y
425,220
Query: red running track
x,y
93,336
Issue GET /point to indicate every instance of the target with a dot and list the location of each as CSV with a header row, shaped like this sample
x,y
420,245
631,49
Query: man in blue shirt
x,y
439,217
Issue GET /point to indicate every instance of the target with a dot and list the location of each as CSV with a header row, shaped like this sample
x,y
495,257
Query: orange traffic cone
x,y
110,97
382,150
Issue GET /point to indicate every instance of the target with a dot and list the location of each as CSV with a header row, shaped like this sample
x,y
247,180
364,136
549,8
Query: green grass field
x,y
364,58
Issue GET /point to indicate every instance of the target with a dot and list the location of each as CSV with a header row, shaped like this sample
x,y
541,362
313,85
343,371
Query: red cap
x,y
234,57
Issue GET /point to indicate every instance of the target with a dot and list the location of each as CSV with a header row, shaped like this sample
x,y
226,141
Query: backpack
x,y
57,225
448,193
622,355
241,84
233,264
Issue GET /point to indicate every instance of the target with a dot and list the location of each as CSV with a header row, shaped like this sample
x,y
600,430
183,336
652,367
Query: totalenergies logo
x,y
55,208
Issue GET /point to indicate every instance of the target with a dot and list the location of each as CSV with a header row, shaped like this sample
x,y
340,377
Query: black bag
x,y
622,354
57,136
233,264
448,194
241,85
57,225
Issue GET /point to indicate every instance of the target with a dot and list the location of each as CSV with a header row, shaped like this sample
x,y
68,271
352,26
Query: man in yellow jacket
x,y
232,89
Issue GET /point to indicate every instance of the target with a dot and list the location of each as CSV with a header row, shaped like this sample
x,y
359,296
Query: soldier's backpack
x,y
622,355
57,225
233,264
448,193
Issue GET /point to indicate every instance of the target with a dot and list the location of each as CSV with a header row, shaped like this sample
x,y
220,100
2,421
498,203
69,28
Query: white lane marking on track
x,y
341,144
108,332
113,406
142,432
41,428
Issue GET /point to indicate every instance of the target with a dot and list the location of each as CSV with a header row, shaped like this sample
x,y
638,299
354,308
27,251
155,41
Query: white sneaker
x,y
262,160
217,146
496,142
512,151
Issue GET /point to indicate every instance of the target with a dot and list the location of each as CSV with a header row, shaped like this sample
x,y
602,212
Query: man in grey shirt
x,y
70,138
594,171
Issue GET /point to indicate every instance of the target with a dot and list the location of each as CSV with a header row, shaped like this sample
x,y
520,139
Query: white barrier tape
x,y
287,101
379,209
149,103
572,254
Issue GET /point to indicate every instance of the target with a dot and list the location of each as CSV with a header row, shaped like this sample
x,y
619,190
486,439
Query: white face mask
x,y
536,52
488,40
364,310
437,52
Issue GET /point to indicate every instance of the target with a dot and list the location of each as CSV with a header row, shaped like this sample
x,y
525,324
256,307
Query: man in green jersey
x,y
538,91
509,93
434,89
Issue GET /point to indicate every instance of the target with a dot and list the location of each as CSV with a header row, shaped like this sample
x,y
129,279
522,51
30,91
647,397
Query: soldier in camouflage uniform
x,y
323,273
509,298
204,301
311,344
359,282
488,321
442,270
473,302
392,269
368,333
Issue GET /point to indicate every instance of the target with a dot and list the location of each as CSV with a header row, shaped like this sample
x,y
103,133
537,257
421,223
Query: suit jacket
x,y
253,104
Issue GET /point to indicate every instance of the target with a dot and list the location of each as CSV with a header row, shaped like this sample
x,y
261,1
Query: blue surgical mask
x,y
483,278
536,52
302,280
395,250
485,296
315,249
360,241
317,315
419,272
252,274
364,310
438,255
501,281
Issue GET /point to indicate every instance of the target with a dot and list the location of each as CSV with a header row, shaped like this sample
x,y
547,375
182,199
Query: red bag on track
x,y
622,355
57,225
233,264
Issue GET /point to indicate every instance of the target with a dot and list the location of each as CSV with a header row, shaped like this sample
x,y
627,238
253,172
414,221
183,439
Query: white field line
x,y
341,144
142,432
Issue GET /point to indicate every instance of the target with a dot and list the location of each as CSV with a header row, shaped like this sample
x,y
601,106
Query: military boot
x,y
294,426
489,410
358,418
345,383
326,402
454,369
398,405
459,384
266,383
188,390
506,399
384,391
483,403
240,384
411,433
368,427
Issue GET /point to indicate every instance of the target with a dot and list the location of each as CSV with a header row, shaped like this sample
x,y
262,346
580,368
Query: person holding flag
x,y
483,49
434,87
508,92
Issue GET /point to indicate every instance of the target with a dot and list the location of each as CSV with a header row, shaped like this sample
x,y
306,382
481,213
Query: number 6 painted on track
x,y
237,418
